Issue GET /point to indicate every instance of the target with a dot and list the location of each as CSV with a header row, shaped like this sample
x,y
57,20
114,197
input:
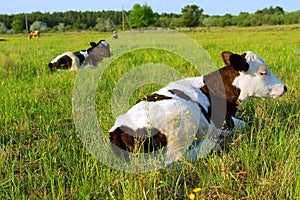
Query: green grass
x,y
42,156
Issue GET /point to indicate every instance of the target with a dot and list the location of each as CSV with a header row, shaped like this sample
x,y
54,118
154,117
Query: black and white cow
x,y
182,113
74,60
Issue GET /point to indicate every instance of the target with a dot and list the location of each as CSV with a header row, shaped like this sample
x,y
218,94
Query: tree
x,y
191,15
104,25
3,28
209,21
141,16
270,11
164,22
17,25
278,10
39,26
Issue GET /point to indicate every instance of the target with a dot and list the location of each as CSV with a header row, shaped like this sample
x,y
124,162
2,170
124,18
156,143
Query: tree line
x,y
140,16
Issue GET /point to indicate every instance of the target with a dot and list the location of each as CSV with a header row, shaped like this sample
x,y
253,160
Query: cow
x,y
177,118
74,60
34,34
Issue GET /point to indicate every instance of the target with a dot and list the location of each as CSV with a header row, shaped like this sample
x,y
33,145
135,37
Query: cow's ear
x,y
93,44
238,62
226,57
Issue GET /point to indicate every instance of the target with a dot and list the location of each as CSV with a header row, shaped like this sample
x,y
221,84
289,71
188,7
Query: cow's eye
x,y
263,73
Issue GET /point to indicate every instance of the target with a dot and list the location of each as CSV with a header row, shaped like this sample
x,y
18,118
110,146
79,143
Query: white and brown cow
x,y
178,117
34,34
74,60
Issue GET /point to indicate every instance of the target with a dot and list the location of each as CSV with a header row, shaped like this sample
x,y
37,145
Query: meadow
x,y
43,157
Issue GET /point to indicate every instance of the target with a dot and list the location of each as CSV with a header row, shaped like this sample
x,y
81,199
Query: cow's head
x,y
98,51
255,78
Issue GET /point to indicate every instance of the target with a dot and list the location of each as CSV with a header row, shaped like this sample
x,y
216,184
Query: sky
x,y
210,7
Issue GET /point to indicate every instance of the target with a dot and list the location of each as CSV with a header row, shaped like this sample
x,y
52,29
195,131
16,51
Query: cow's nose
x,y
285,88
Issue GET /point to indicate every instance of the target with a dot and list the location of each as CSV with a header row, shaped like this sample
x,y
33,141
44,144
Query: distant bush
x,y
3,28
104,25
39,26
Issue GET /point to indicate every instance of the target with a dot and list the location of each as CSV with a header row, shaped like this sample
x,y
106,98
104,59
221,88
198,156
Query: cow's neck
x,y
223,96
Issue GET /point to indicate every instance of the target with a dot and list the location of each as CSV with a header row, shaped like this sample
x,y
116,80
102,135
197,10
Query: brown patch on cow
x,y
142,140
154,97
226,57
215,84
34,34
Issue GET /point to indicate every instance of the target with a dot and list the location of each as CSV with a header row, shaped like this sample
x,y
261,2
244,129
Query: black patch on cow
x,y
80,56
238,62
65,62
180,94
124,140
154,97
206,115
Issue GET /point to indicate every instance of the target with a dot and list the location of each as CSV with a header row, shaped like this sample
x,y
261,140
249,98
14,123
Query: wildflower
x,y
197,190
195,138
175,123
192,196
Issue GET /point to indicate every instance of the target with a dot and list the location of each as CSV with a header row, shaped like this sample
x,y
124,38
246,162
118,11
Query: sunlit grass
x,y
42,156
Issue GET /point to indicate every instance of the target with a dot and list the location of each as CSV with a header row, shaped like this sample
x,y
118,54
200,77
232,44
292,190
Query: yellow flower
x,y
197,190
192,196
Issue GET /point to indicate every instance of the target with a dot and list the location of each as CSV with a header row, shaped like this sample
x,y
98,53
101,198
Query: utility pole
x,y
123,18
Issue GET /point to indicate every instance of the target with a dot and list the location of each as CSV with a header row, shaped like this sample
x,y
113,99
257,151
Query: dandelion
x,y
197,190
192,196
175,123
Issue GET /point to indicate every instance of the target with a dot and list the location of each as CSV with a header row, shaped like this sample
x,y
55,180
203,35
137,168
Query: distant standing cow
x,y
34,34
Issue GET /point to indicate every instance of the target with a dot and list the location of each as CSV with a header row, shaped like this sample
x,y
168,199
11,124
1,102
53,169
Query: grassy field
x,y
43,157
